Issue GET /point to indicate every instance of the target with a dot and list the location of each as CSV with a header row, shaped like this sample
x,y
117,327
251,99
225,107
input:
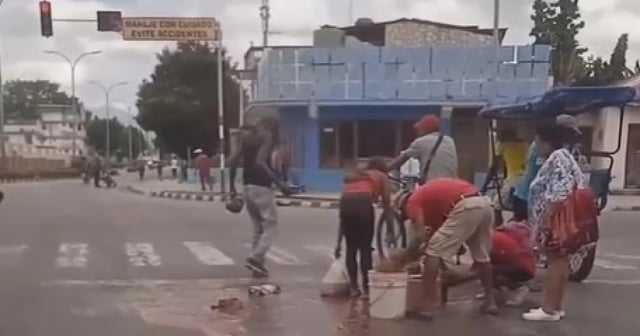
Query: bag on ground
x,y
336,281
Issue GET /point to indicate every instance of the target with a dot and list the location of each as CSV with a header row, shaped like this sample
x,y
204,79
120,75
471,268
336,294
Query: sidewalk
x,y
168,188
191,191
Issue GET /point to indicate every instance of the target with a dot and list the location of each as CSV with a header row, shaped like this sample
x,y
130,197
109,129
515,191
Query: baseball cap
x,y
428,123
568,121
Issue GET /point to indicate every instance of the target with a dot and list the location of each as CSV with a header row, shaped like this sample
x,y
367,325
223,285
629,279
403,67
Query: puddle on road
x,y
297,310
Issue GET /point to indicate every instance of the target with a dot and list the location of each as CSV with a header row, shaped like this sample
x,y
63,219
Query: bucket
x,y
415,293
387,295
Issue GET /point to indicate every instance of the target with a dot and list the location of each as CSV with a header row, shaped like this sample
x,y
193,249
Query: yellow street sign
x,y
170,29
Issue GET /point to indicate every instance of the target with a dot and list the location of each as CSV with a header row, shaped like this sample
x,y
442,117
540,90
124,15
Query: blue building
x,y
357,92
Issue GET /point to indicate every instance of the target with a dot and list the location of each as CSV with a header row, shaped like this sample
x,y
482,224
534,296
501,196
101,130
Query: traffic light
x,y
109,21
46,23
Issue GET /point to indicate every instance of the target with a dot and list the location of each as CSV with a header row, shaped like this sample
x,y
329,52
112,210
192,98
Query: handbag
x,y
573,222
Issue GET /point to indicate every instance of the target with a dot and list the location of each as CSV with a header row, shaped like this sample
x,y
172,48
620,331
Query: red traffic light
x,y
46,22
45,7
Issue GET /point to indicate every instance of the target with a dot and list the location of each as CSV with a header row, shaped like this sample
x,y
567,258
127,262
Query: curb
x,y
5,181
284,202
30,180
626,208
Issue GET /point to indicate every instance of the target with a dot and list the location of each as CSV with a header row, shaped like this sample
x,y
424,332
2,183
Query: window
x,y
376,138
328,145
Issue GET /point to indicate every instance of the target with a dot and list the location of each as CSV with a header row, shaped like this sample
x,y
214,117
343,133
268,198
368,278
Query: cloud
x,y
292,22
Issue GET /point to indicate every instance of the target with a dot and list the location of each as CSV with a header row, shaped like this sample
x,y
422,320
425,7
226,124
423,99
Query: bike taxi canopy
x,y
565,100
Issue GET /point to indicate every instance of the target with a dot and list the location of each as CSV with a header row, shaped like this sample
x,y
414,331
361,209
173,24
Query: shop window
x,y
376,138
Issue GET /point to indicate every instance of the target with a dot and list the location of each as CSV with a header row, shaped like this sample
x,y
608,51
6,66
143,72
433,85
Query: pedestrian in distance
x,y
174,167
204,165
159,168
361,189
254,150
141,169
446,213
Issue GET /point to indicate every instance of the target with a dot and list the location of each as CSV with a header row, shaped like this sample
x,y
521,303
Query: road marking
x,y
12,249
623,256
282,257
207,254
142,254
72,255
321,249
613,266
612,282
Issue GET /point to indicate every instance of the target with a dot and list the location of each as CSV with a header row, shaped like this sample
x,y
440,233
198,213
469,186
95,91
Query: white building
x,y
50,136
601,129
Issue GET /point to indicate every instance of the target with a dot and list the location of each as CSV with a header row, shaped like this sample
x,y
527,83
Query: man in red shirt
x,y
446,213
512,262
204,165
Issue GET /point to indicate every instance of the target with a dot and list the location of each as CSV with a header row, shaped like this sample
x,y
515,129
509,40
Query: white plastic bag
x,y
336,281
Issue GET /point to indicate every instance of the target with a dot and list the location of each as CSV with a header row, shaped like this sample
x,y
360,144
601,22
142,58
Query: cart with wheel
x,y
572,101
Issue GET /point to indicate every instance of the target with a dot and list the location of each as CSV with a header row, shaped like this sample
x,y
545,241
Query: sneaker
x,y
256,267
354,292
561,313
517,296
540,315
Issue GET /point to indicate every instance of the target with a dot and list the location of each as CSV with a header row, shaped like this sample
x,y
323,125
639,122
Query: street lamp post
x,y
107,93
2,149
77,119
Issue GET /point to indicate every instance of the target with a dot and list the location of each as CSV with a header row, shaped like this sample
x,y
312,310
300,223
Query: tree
x,y
22,96
557,23
118,138
599,72
180,102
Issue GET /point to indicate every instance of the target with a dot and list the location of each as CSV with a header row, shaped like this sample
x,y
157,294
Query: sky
x,y
292,21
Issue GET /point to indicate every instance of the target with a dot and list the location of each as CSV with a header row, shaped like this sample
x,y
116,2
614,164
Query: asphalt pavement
x,y
76,260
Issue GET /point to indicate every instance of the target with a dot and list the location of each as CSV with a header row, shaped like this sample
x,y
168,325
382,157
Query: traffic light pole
x,y
2,149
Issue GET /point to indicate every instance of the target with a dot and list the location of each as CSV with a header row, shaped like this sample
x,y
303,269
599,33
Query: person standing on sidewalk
x,y
254,151
204,164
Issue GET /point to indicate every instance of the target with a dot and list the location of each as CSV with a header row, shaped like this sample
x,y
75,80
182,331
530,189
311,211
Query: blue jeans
x,y
261,206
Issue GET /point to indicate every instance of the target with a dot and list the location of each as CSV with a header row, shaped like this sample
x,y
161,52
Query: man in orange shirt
x,y
455,213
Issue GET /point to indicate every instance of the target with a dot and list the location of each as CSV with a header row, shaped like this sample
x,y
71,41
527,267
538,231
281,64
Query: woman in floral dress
x,y
558,183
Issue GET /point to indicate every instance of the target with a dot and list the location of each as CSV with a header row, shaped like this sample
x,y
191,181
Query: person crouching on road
x,y
512,262
362,188
456,213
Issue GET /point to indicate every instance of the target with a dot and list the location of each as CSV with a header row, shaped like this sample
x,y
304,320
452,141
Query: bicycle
x,y
392,234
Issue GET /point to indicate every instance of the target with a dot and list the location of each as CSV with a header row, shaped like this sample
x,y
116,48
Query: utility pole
x,y
265,15
107,93
130,135
77,117
2,149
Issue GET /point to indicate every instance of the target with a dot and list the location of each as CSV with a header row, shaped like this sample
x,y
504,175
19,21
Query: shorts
x,y
470,221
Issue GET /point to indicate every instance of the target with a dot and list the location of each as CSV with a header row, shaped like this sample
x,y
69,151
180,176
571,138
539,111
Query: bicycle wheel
x,y
390,237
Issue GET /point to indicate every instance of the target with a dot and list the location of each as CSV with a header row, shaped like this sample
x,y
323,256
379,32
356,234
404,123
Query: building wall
x,y
605,138
414,34
302,133
442,74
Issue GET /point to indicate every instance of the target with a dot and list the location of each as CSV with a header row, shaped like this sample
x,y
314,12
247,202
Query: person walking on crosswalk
x,y
254,150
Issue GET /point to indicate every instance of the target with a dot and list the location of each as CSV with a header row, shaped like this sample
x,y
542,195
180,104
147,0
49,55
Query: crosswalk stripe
x,y
321,249
623,256
613,266
12,249
72,255
282,257
142,254
207,254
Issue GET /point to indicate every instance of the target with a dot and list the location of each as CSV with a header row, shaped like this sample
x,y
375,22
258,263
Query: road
x,y
77,261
